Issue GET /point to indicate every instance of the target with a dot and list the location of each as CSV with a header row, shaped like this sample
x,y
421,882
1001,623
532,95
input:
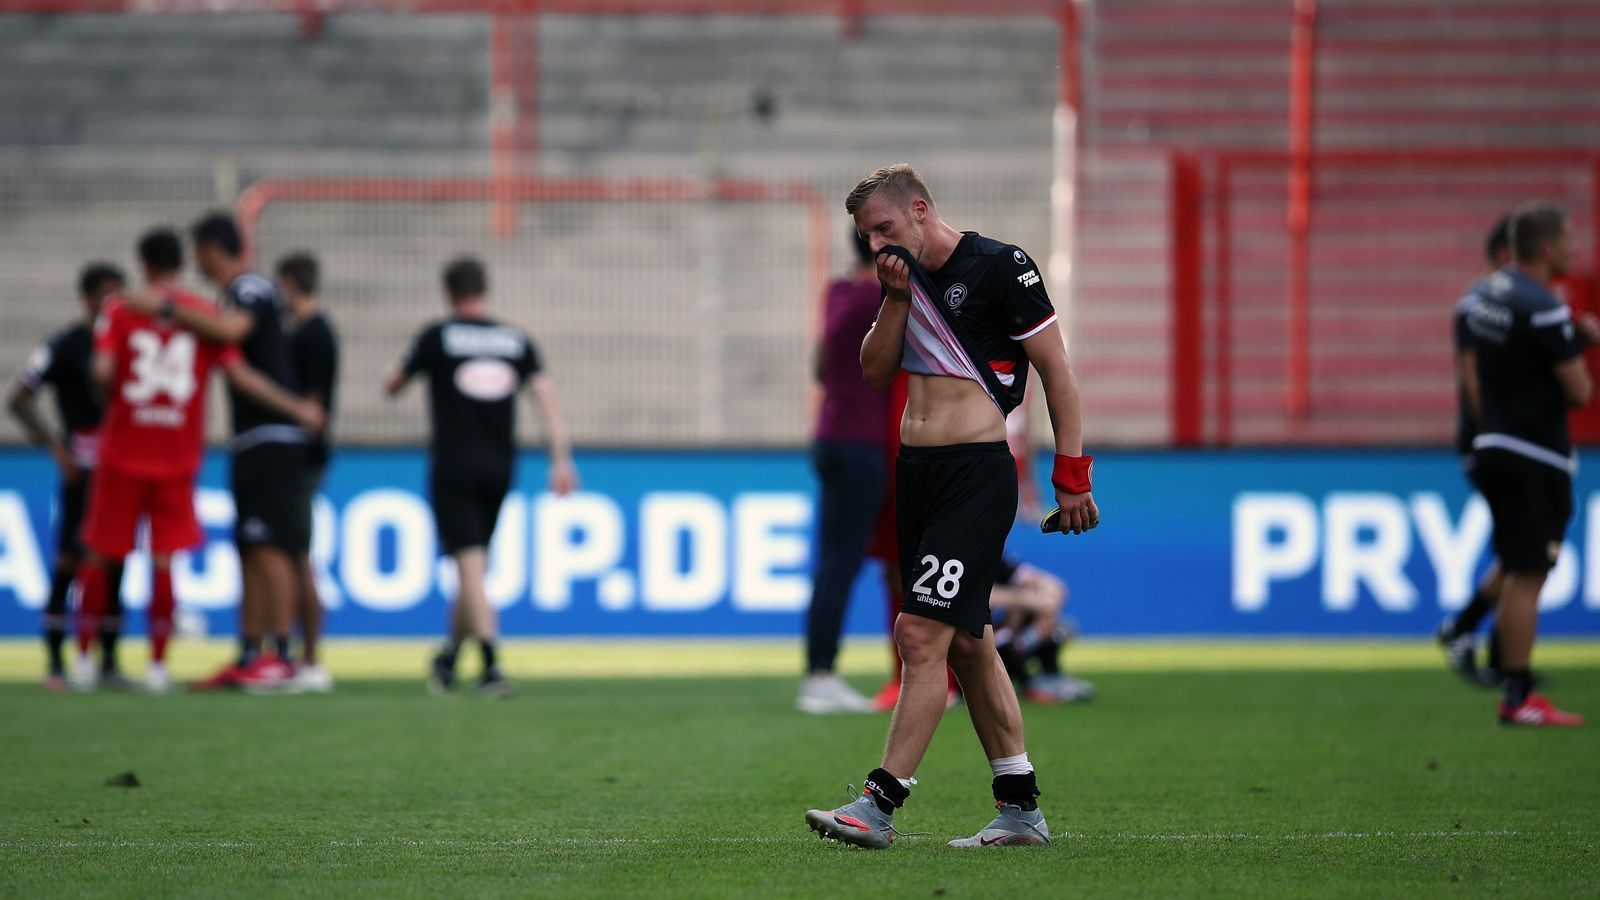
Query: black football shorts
x,y
1531,503
954,506
267,481
466,504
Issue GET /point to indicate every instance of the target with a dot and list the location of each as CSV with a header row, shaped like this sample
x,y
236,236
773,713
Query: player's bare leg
x,y
309,675
472,600
309,609
1518,620
924,646
472,565
270,574
997,718
252,605
991,700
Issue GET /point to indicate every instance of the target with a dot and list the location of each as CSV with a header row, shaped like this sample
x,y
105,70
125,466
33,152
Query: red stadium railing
x,y
1387,247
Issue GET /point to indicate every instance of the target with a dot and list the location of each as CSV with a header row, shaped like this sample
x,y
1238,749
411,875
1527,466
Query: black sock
x,y
248,648
1049,655
1468,619
55,620
1016,664
1494,649
281,644
1017,790
110,631
488,657
885,790
54,638
1518,686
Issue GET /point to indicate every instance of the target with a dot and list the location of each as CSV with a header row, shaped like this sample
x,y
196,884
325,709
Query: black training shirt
x,y
1466,429
63,363
475,368
314,360
1521,332
266,349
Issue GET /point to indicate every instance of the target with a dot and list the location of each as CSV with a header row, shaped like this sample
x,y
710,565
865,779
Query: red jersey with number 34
x,y
154,425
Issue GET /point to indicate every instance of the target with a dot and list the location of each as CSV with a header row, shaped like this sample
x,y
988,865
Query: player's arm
x,y
1467,378
1034,591
264,391
1576,385
1047,353
563,474
885,340
419,357
25,410
1562,340
395,380
221,326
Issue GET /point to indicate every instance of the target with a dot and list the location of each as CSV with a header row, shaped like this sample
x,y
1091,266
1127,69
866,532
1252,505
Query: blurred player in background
x,y
1530,372
1458,633
1031,634
1029,631
269,453
314,359
62,363
966,315
475,367
153,370
849,457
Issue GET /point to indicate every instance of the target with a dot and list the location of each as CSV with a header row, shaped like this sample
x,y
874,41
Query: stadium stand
x,y
155,118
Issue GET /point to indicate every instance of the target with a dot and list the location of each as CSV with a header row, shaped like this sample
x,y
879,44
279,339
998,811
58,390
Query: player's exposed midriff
x,y
941,410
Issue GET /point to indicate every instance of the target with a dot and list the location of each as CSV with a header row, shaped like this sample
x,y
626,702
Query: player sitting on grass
x,y
1029,630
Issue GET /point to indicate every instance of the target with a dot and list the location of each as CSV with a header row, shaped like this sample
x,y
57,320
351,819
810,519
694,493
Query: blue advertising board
x,y
720,543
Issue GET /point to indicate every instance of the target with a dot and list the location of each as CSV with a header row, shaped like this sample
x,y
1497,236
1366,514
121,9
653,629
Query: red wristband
x,y
1072,473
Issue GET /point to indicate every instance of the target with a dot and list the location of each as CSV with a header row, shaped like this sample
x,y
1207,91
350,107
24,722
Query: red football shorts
x,y
116,501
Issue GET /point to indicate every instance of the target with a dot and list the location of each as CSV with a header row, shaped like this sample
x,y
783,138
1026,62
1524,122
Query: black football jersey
x,y
1521,332
314,358
1466,429
475,368
62,362
995,295
266,349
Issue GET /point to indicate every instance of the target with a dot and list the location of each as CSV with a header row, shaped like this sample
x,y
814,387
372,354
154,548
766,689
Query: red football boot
x,y
1538,712
223,679
266,674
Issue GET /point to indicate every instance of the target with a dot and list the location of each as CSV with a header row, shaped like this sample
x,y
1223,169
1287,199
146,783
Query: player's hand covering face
x,y
894,276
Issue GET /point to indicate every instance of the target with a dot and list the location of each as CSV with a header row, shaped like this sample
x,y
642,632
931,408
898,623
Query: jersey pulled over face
x,y
996,293
154,425
475,368
1520,333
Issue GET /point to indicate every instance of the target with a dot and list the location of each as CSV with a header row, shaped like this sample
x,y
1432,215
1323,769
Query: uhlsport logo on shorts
x,y
928,599
954,297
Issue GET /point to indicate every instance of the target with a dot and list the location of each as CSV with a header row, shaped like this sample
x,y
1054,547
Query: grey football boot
x,y
1014,827
859,823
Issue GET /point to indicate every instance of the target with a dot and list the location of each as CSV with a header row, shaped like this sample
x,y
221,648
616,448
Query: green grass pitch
x,y
1201,770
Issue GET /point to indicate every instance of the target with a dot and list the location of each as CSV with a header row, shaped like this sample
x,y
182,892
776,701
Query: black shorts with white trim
x,y
1531,501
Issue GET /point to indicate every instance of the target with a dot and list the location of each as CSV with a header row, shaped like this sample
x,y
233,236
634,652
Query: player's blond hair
x,y
899,182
